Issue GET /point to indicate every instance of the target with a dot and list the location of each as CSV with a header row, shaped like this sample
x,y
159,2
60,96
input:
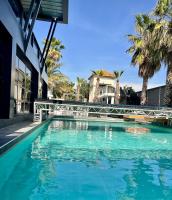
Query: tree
x,y
58,83
132,97
63,88
53,58
97,73
79,82
163,32
117,75
84,89
144,53
55,77
68,91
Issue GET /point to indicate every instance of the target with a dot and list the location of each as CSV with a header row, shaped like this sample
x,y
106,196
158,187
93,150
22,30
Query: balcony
x,y
107,91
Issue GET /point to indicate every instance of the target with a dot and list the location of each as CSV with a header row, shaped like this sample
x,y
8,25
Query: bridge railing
x,y
151,107
84,110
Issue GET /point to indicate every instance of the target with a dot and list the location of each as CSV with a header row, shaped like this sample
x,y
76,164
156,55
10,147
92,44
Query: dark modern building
x,y
23,76
155,96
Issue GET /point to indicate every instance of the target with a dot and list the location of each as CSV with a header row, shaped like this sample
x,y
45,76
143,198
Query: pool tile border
x,y
6,147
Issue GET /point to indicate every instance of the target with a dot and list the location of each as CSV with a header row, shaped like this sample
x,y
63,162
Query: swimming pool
x,y
80,160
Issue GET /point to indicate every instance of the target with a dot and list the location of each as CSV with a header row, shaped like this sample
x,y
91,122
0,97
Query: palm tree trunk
x,y
117,93
78,93
97,90
168,89
144,91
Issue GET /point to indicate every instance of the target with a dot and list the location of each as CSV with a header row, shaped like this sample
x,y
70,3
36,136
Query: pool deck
x,y
10,133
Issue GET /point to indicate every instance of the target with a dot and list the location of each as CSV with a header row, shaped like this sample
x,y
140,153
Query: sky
x,y
96,38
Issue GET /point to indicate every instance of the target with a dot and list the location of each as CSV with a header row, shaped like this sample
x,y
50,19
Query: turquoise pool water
x,y
75,160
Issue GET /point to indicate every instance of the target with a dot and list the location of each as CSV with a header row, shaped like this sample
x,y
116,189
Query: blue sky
x,y
96,38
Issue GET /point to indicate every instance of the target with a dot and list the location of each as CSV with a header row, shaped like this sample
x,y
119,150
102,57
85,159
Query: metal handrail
x,y
40,106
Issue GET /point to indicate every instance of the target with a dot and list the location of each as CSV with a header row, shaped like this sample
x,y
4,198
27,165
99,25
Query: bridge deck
x,y
84,110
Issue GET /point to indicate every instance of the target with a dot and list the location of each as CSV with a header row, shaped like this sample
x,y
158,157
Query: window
x,y
22,88
111,89
102,90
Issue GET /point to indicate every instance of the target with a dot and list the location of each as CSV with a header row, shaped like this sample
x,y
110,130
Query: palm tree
x,y
79,84
84,90
117,75
56,80
163,14
58,83
67,91
144,53
97,73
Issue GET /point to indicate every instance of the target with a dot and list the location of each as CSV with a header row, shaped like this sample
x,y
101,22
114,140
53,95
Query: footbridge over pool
x,y
84,110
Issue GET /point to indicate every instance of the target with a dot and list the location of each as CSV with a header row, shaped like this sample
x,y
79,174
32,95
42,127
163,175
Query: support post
x,y
49,43
34,109
29,15
107,100
40,117
34,112
35,14
47,39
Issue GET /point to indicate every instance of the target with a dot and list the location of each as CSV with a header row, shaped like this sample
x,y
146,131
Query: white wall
x,y
103,80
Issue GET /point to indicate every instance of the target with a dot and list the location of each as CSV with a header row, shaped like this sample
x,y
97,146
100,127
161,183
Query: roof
x,y
105,74
50,9
154,88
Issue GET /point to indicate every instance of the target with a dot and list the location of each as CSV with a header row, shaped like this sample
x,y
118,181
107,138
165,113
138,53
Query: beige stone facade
x,y
106,89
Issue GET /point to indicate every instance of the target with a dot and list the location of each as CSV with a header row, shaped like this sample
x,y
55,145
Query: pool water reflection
x,y
89,161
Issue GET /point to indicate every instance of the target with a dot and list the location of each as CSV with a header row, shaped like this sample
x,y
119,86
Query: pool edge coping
x,y
6,147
